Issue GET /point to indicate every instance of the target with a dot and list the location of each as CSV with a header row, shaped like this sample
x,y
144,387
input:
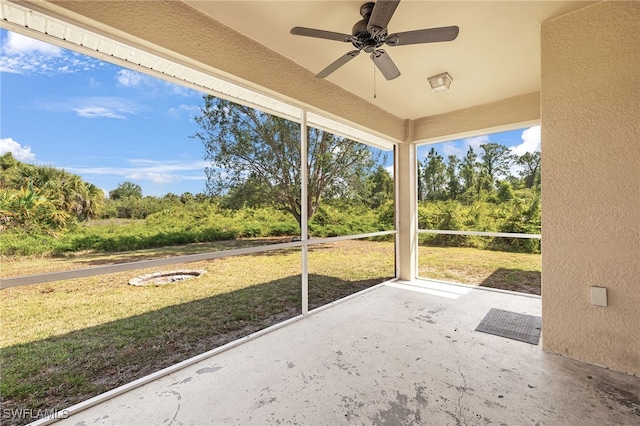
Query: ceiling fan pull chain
x,y
374,81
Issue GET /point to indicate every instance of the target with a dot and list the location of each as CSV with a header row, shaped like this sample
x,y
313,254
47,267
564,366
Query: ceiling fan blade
x,y
327,35
385,64
381,15
429,35
338,63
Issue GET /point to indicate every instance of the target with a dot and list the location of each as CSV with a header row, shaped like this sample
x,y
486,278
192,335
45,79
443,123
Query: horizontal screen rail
x,y
142,264
481,234
350,237
153,263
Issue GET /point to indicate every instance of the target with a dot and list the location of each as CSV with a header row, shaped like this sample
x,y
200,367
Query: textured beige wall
x,y
521,111
590,109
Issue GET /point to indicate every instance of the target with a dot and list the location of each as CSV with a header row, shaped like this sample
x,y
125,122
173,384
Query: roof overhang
x,y
224,44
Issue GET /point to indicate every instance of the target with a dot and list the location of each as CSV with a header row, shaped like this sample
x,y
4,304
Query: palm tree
x,y
28,210
67,191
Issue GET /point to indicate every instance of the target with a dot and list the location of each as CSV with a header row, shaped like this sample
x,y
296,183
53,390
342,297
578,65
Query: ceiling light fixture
x,y
440,82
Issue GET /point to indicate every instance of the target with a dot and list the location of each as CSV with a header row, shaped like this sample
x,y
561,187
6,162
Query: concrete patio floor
x,y
399,354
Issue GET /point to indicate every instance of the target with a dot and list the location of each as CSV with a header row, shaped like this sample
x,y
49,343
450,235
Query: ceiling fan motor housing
x,y
365,40
360,29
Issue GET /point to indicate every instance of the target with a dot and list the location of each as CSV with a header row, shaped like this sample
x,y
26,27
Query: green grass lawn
x,y
64,342
496,269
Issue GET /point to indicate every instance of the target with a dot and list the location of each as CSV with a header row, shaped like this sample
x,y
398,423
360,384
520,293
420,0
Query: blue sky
x,y
519,141
110,125
98,120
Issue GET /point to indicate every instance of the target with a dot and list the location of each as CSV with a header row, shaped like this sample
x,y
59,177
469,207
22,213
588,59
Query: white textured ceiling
x,y
496,55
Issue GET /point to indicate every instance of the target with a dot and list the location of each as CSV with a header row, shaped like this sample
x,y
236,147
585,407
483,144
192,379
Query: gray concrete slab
x,y
401,354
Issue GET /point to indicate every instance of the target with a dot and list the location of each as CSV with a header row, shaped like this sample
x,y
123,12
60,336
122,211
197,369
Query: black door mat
x,y
512,325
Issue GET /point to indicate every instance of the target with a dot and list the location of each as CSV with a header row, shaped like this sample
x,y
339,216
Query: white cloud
x,y
23,55
169,166
97,112
153,177
530,141
195,108
92,107
475,142
100,171
200,177
452,149
390,169
152,86
176,112
25,64
20,153
183,91
129,78
459,149
17,44
159,172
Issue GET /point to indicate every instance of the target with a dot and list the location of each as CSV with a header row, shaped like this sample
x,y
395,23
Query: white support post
x,y
396,213
304,208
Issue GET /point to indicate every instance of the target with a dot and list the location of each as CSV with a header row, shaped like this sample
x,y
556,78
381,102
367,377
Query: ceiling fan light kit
x,y
440,82
370,34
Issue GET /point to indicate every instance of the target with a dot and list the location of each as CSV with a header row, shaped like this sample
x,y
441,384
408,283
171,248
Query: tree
x,y
10,176
126,190
201,198
93,203
468,170
530,172
187,198
170,198
434,176
7,161
29,211
379,187
67,191
44,198
421,189
453,184
505,191
249,193
496,161
241,142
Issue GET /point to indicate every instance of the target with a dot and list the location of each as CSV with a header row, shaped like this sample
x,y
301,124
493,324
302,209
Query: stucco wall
x,y
522,111
590,111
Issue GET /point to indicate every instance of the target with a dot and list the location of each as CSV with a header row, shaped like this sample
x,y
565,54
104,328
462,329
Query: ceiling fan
x,y
370,33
